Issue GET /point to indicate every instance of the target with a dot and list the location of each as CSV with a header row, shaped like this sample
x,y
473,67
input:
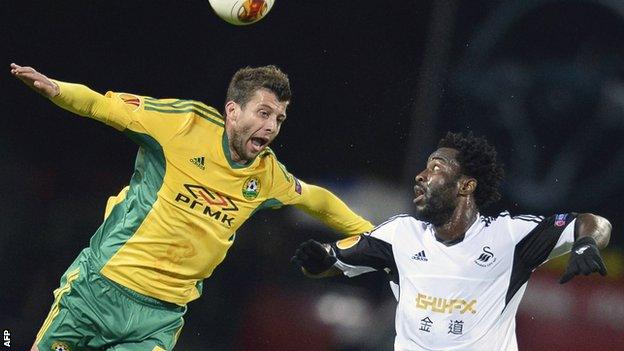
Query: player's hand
x,y
584,259
312,256
35,80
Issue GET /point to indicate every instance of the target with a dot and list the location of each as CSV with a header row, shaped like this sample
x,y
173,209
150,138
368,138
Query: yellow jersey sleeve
x,y
160,119
329,209
318,202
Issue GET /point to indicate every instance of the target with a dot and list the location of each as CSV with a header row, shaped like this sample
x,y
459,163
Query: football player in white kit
x,y
458,275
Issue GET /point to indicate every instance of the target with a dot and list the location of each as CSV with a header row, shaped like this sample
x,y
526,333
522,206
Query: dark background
x,y
376,84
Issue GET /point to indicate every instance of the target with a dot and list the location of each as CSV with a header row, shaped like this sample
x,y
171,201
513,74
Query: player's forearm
x,y
328,208
593,226
82,101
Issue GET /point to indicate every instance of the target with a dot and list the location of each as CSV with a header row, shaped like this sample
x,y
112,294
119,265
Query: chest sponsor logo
x,y
215,206
251,188
443,305
486,258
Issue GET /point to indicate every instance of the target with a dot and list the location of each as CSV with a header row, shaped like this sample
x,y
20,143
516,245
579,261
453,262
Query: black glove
x,y
312,256
584,259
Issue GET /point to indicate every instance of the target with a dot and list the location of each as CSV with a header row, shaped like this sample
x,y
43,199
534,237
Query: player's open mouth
x,y
257,143
420,194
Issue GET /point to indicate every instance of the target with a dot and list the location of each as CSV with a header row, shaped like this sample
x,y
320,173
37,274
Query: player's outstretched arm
x,y
592,233
112,108
315,259
75,98
328,208
35,80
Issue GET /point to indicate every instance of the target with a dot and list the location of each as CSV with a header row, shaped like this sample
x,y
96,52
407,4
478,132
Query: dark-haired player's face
x,y
255,124
436,188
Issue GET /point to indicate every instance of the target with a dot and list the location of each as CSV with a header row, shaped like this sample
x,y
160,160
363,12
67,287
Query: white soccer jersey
x,y
461,296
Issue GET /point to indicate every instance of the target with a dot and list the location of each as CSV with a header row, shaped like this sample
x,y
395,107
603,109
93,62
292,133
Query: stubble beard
x,y
238,145
439,206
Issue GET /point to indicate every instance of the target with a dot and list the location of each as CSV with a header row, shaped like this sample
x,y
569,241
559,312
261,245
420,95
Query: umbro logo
x,y
199,162
420,256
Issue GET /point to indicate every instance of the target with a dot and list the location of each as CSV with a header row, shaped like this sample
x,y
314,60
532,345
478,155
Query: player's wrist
x,y
584,240
55,89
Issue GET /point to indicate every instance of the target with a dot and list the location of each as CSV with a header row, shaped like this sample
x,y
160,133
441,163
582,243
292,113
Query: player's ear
x,y
467,186
232,110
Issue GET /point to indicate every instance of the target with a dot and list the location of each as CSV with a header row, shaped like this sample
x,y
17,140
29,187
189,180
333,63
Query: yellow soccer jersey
x,y
176,221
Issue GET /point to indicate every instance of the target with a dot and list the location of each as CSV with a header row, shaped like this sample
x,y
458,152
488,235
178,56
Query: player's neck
x,y
234,156
455,228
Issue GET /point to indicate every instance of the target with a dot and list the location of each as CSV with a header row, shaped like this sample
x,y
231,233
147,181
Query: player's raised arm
x,y
35,80
75,98
351,256
592,233
159,119
596,227
328,208
316,201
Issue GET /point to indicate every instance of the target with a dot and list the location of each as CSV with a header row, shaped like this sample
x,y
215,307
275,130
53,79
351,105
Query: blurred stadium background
x,y
376,83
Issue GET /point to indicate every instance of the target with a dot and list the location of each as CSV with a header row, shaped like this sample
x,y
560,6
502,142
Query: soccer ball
x,y
241,12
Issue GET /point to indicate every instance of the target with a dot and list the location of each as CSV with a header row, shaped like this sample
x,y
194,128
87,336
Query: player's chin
x,y
251,153
419,202
420,208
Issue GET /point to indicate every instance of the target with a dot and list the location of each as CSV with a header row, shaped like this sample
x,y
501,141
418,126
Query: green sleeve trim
x,y
285,171
268,152
194,110
268,203
181,104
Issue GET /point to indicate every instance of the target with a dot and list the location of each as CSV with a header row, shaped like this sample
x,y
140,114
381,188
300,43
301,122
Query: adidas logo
x,y
420,256
199,162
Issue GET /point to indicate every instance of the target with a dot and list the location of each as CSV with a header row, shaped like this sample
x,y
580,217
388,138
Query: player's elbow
x,y
602,228
606,225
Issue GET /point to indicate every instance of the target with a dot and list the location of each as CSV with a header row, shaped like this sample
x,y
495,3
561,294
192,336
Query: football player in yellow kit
x,y
198,176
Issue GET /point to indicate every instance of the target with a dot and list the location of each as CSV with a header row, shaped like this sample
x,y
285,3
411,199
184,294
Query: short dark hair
x,y
477,159
247,80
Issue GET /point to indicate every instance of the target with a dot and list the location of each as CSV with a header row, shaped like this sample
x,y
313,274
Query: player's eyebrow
x,y
272,108
439,158
265,105
448,162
